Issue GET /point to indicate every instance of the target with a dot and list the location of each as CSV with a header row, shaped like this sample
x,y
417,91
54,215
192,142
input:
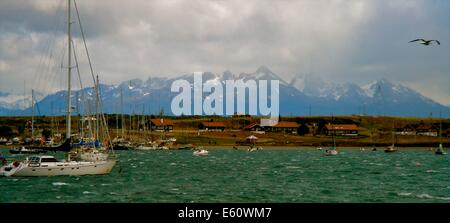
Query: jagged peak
x,y
264,69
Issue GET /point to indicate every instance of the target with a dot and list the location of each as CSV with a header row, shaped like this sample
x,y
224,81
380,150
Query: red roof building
x,y
289,127
160,124
212,126
253,127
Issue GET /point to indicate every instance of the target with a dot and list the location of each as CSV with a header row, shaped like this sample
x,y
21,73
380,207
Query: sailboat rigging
x,y
332,151
391,148
90,162
440,150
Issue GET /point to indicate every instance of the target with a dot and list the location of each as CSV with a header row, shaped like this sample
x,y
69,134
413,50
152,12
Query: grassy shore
x,y
373,131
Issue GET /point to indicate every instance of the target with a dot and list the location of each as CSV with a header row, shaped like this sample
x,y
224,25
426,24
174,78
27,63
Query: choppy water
x,y
240,176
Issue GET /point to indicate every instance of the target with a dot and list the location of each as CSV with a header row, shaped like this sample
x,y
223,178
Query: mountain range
x,y
303,95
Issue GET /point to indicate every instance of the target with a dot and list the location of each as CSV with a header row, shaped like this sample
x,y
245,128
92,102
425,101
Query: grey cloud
x,y
340,40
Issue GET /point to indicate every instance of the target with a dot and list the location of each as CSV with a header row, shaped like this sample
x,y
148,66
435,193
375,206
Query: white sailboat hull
x,y
332,153
63,169
201,153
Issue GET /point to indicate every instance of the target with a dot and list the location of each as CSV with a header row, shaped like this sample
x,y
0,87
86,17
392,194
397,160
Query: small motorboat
x,y
331,152
200,152
254,148
390,149
123,146
23,150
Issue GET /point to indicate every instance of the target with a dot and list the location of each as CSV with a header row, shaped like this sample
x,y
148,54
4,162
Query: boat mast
x,y
32,114
393,135
121,112
69,74
440,127
334,131
97,105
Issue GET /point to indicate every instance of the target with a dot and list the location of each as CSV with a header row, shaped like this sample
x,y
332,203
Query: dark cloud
x,y
339,40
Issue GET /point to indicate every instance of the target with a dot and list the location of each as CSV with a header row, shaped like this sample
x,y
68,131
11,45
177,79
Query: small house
x,y
407,130
427,130
212,126
254,127
161,125
287,127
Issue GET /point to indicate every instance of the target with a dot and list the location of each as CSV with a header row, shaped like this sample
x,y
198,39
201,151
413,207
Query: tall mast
x,y
32,114
440,127
334,132
393,135
117,124
121,112
97,105
69,74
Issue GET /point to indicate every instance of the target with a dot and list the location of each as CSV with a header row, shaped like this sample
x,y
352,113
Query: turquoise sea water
x,y
239,176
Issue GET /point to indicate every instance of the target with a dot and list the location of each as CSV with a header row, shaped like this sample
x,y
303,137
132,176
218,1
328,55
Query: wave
x,y
427,196
59,184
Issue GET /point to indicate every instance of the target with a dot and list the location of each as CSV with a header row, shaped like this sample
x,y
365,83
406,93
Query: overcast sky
x,y
338,40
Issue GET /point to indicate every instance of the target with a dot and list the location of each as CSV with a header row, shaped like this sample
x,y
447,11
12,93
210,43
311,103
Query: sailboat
x,y
332,151
38,149
120,143
440,149
48,165
391,148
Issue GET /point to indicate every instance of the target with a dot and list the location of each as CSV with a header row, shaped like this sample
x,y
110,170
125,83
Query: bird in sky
x,y
425,42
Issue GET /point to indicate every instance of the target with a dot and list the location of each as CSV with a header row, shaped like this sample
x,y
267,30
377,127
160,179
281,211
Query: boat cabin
x,y
42,159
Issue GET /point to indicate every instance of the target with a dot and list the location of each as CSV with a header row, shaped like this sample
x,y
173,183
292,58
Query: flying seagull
x,y
425,42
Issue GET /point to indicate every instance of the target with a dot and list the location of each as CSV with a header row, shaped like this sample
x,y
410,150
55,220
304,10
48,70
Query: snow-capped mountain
x,y
17,102
300,96
262,73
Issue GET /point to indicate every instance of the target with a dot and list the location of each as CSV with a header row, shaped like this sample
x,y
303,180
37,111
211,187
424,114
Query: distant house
x,y
405,131
288,127
162,125
254,127
341,129
212,126
427,130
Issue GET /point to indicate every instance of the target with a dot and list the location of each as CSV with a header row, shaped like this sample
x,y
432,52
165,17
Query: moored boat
x,y
201,152
332,151
391,149
49,166
24,150
439,150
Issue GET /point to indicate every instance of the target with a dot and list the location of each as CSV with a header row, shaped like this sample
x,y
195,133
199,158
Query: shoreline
x,y
280,148
309,148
